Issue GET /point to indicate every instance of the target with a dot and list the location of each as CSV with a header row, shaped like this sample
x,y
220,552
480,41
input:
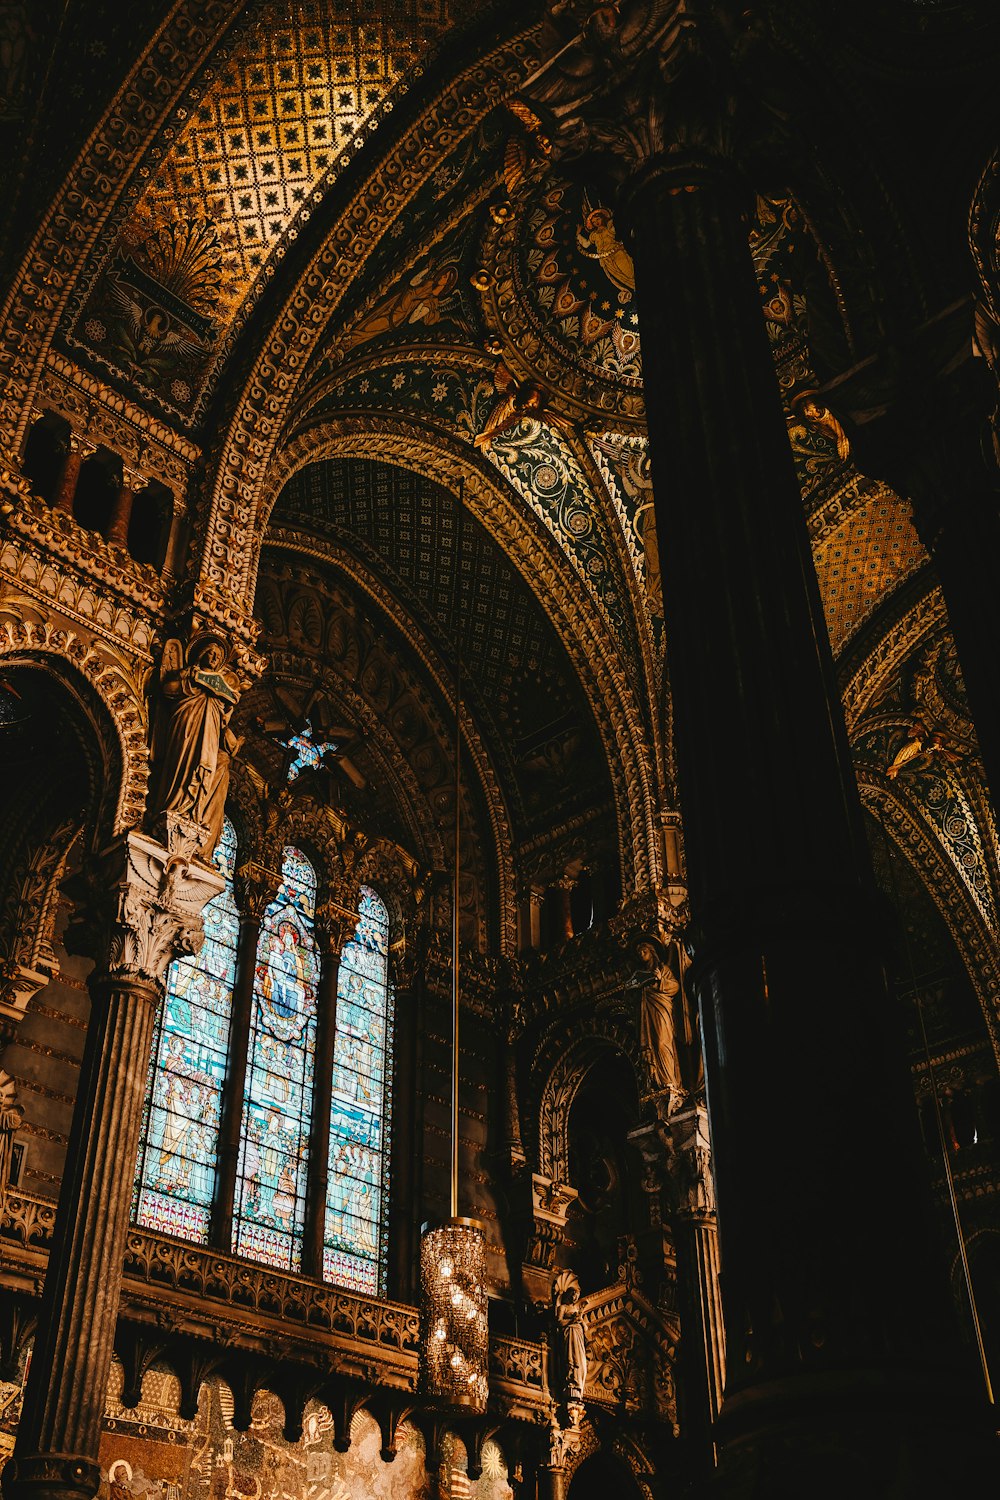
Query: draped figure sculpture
x,y
657,1020
572,1339
194,745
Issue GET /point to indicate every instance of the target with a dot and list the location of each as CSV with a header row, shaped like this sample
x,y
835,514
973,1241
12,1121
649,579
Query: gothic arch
x,y
914,840
103,692
562,1081
438,455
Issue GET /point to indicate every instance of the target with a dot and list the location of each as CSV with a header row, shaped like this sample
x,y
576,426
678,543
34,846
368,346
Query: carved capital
x,y
633,84
18,985
551,1201
691,1163
255,887
140,904
334,926
51,1476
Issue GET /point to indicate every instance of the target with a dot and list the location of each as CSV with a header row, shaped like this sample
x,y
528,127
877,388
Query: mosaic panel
x,y
278,116
405,526
863,561
175,1180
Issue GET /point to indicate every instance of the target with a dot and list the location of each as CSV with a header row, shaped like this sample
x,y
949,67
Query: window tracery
x,y
281,1097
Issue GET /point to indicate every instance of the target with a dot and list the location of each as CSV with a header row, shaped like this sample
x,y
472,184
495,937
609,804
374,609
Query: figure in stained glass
x,y
274,1144
175,1181
354,1239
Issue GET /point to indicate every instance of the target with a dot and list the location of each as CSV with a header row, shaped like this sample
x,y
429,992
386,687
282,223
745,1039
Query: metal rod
x,y
458,862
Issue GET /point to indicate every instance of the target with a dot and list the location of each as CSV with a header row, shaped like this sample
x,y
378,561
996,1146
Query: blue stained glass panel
x,y
175,1178
354,1253
269,1211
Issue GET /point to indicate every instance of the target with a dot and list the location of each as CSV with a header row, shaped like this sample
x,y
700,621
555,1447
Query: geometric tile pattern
x,y
863,561
519,682
272,123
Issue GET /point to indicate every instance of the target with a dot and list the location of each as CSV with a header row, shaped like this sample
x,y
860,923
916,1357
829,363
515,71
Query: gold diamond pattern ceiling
x,y
863,560
266,133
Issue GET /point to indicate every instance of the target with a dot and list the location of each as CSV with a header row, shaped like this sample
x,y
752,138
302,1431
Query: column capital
x,y
691,1163
140,904
256,887
644,86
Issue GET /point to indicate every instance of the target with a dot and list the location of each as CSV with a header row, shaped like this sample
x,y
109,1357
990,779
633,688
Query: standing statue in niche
x,y
657,1033
572,1339
194,745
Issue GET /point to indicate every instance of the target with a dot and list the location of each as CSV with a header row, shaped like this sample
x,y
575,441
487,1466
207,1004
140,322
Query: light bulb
x,y
447,1267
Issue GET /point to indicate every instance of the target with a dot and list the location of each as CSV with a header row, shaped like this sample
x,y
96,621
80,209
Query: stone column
x,y
78,451
843,1371
143,909
703,1333
254,888
132,483
332,931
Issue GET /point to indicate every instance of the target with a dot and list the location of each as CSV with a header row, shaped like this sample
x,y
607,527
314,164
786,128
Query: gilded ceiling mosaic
x,y
261,139
863,560
521,687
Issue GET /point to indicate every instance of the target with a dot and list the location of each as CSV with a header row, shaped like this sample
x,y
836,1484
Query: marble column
x,y
121,516
78,451
843,1367
700,1301
821,1302
142,905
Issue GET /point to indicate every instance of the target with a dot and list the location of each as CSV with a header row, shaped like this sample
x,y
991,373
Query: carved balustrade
x,y
194,1291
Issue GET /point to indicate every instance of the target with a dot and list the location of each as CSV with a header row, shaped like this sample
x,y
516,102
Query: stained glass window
x,y
307,754
354,1249
175,1179
269,1212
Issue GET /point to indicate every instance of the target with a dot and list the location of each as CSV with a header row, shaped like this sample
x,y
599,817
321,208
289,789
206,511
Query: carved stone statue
x,y
657,1027
194,744
11,1116
573,1340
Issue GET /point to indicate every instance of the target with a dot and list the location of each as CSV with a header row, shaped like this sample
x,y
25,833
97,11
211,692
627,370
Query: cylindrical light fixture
x,y
454,1330
454,1344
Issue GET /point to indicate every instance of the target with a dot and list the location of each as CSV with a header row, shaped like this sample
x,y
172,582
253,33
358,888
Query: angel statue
x,y
194,745
571,1360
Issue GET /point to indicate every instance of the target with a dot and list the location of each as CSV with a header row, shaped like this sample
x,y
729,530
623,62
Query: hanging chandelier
x,y
454,1329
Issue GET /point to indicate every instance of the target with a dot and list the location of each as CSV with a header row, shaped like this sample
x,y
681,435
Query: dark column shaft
x,y
76,1324
319,1138
236,1079
826,1262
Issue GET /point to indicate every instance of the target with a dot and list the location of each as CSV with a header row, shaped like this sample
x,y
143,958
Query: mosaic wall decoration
x,y
404,525
175,1180
864,560
277,117
354,1250
535,459
455,1483
269,1211
580,281
151,1453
